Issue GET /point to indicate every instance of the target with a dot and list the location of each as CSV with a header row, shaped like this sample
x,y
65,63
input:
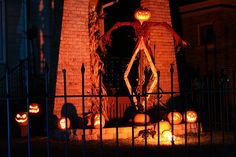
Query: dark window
x,y
206,34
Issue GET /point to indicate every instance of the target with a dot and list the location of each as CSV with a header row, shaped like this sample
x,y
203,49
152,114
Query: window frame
x,y
200,42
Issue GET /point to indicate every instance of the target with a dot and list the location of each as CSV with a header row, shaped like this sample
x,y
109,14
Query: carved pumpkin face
x,y
191,116
34,108
142,14
22,118
177,117
96,121
62,123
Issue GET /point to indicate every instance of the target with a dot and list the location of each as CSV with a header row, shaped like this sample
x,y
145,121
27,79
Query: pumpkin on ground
x,y
191,116
177,117
139,118
34,108
21,118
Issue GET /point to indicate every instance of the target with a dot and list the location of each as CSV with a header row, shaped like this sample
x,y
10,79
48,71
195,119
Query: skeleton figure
x,y
142,30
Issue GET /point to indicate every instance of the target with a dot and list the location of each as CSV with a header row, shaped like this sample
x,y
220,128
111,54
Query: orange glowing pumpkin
x,y
139,118
191,116
62,123
34,108
142,14
96,121
164,125
177,117
22,118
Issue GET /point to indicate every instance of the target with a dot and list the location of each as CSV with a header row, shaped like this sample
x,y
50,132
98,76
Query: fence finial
x,y
82,68
172,68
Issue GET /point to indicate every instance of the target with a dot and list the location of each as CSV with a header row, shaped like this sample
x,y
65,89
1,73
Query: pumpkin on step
x,y
177,117
139,118
191,116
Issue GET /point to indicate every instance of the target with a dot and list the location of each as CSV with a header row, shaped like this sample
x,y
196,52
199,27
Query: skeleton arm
x,y
177,38
107,38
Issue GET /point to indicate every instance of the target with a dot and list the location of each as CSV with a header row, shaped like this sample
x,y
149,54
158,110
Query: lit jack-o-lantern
x,y
22,118
62,123
142,14
191,116
177,117
140,118
164,125
34,108
96,121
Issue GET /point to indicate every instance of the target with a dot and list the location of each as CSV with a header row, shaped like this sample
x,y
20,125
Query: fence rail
x,y
212,98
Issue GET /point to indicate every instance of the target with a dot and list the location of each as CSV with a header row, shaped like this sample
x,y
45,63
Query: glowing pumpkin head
x,y
140,118
34,108
22,118
142,14
191,116
62,123
177,117
96,121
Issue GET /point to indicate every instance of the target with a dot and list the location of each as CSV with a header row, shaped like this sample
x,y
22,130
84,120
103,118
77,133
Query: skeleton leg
x,y
153,69
127,71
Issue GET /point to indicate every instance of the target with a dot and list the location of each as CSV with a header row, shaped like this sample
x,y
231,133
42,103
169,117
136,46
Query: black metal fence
x,y
212,98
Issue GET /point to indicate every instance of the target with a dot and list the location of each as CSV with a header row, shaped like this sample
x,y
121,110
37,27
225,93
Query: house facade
x,y
209,27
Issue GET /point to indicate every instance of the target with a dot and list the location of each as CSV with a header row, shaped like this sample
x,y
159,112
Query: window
x,y
206,34
2,32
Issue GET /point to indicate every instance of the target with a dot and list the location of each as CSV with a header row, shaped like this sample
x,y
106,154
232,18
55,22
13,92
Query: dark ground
x,y
39,149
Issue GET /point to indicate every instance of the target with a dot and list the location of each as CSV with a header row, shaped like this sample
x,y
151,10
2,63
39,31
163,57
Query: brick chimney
x,y
74,50
164,44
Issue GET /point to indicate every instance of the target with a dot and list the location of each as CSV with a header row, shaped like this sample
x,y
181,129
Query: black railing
x,y
212,98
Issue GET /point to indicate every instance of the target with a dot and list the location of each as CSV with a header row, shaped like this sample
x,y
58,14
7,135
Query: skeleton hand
x,y
180,44
184,43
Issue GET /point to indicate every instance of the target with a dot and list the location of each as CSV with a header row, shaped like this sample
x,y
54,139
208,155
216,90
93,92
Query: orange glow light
x,y
168,135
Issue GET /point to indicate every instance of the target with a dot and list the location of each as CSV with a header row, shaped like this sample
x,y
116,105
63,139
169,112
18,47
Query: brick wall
x,y
74,50
164,44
